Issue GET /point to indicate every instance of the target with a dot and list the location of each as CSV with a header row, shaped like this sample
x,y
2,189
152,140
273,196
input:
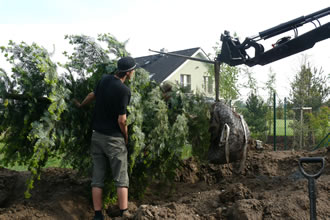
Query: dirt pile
x,y
60,194
271,187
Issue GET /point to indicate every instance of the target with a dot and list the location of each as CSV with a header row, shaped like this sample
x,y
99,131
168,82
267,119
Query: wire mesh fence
x,y
299,128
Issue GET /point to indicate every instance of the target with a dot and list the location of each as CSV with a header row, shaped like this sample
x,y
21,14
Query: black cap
x,y
126,64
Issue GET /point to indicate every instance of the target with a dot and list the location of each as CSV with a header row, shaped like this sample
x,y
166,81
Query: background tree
x,y
308,89
251,82
280,109
319,123
255,115
228,86
270,86
255,111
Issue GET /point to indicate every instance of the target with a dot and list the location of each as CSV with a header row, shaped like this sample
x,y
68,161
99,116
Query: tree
x,y
228,87
255,110
280,109
53,127
34,103
270,88
255,116
251,84
319,123
309,87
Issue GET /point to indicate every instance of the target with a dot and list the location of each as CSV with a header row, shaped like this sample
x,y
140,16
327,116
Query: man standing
x,y
110,135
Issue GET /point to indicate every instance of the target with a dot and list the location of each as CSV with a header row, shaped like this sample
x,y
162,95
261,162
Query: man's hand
x,y
89,98
77,103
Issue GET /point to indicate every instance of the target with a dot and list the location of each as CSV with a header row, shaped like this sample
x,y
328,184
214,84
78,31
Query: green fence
x,y
297,127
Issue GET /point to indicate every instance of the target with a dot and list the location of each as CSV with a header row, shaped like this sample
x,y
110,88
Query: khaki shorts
x,y
106,149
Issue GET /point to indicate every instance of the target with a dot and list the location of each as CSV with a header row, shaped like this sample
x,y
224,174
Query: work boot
x,y
113,212
98,217
117,215
127,215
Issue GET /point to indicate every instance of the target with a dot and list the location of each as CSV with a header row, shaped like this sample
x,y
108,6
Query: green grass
x,y
280,128
52,162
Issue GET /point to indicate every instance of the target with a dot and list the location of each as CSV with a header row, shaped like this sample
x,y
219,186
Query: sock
x,y
122,211
98,213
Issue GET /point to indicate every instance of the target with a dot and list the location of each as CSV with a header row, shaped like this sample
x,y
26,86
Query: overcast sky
x,y
156,24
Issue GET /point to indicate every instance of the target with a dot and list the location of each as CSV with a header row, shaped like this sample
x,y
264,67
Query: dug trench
x,y
271,187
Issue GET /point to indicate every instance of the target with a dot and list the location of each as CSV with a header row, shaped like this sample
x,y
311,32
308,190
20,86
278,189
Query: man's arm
x,y
89,98
123,126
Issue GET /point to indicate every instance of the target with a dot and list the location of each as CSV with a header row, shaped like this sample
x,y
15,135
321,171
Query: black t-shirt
x,y
112,98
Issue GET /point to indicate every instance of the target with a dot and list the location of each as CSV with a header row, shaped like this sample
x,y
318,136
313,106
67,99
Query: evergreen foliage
x,y
255,115
309,87
41,121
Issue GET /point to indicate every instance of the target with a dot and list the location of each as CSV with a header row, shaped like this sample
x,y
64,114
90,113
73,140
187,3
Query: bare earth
x,y
270,188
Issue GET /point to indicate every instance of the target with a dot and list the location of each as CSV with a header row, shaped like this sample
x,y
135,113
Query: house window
x,y
208,84
185,81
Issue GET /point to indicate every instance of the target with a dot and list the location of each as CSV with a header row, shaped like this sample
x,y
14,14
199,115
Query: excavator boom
x,y
235,53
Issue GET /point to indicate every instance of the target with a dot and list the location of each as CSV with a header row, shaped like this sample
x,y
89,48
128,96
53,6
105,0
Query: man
x,y
110,135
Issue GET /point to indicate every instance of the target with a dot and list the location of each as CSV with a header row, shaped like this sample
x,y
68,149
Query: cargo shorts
x,y
108,149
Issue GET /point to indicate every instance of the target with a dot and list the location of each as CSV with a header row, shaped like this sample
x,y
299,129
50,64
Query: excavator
x,y
229,131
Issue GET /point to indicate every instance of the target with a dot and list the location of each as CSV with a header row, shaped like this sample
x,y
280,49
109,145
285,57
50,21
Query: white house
x,y
188,73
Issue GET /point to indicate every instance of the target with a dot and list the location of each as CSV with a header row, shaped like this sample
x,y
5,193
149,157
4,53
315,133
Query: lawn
x,y
280,128
52,162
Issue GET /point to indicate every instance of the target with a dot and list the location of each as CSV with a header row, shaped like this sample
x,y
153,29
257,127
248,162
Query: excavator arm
x,y
235,53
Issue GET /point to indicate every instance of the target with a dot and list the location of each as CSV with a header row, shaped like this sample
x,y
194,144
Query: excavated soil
x,y
271,187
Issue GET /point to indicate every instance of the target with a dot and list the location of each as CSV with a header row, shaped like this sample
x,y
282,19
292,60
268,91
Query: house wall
x,y
197,71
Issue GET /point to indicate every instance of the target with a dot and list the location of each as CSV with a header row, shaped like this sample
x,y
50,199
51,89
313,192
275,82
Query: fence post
x,y
302,130
274,121
302,124
285,138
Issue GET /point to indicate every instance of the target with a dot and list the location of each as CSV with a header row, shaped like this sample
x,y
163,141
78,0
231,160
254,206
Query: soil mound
x,y
271,187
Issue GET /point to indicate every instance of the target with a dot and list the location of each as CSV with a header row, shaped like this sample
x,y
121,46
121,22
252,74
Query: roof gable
x,y
162,66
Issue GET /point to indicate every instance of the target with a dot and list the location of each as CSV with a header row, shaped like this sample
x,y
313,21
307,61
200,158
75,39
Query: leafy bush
x,y
319,123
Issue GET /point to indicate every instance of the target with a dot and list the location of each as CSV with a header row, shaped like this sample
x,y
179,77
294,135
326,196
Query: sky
x,y
171,24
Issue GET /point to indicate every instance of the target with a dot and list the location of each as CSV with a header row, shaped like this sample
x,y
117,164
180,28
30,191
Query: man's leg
x,y
97,198
117,153
99,168
122,193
